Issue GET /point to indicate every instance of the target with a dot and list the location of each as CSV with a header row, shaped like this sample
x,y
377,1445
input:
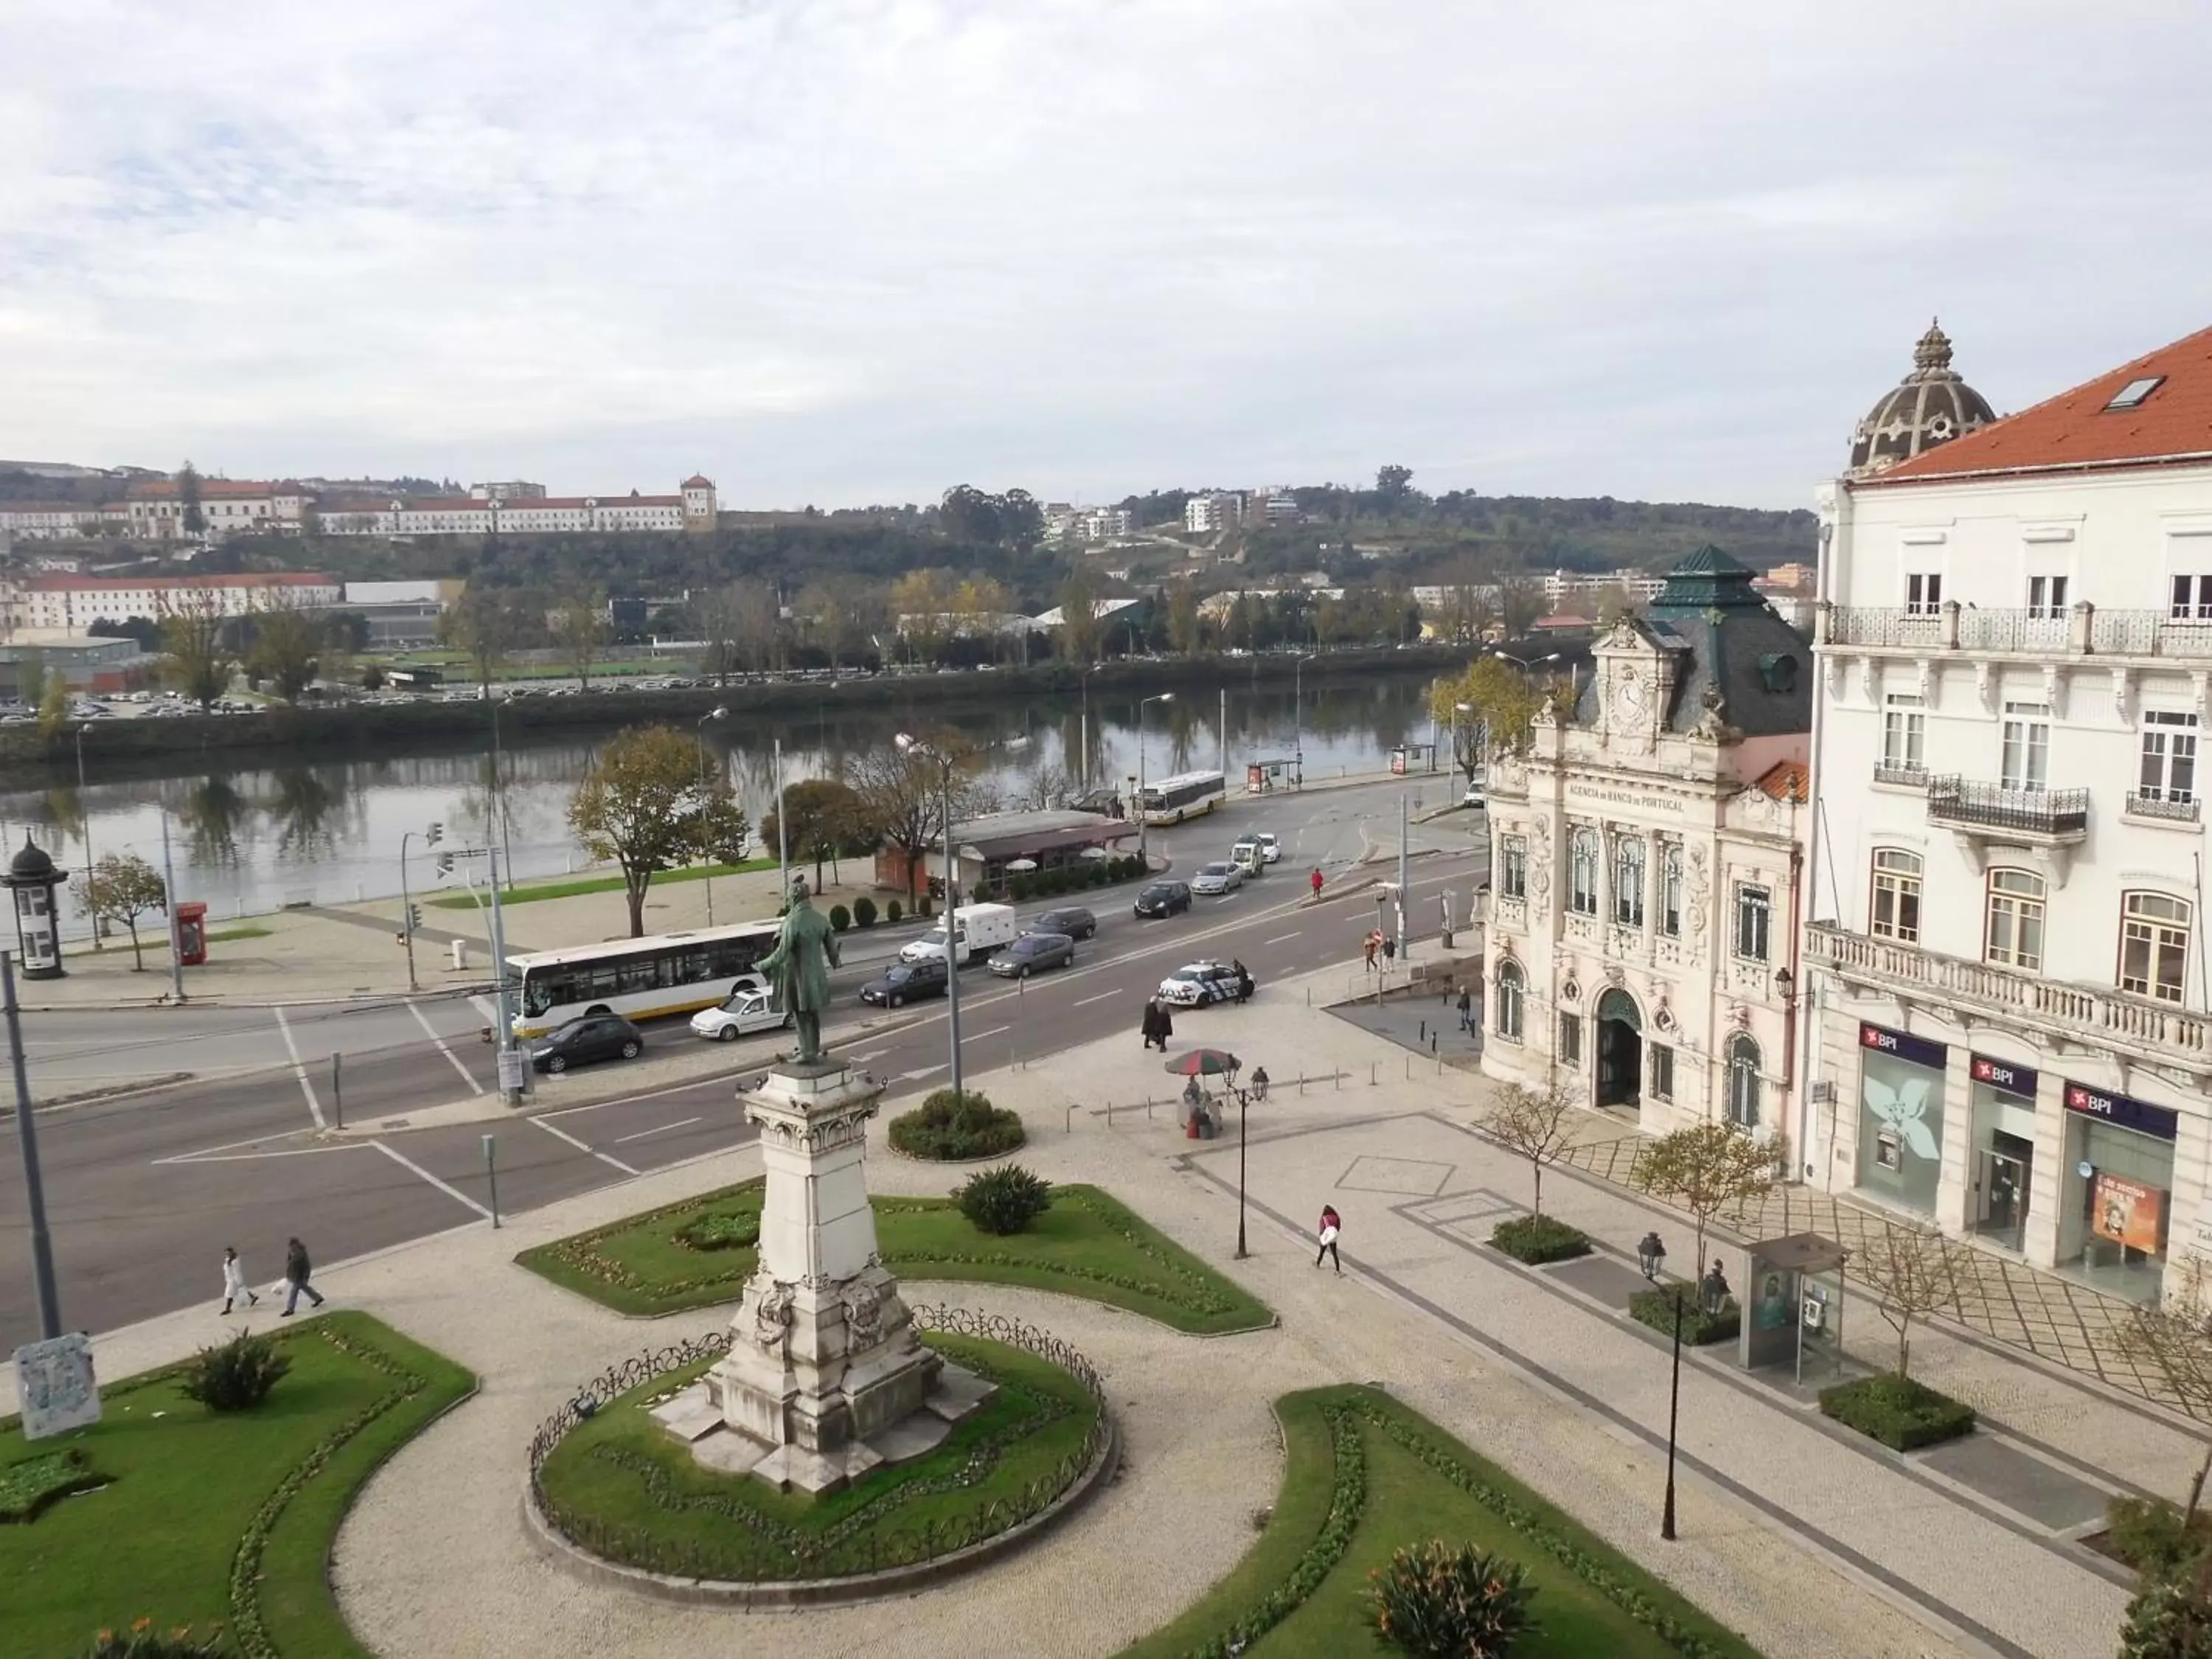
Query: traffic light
x,y
433,835
444,863
414,918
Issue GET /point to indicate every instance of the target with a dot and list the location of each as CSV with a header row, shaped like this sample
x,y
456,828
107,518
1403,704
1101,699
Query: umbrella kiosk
x,y
1202,1117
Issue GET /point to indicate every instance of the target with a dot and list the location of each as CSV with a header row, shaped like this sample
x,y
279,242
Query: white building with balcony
x,y
1646,856
2009,1026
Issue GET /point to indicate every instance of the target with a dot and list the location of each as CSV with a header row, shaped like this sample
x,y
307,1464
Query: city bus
x,y
1186,795
642,978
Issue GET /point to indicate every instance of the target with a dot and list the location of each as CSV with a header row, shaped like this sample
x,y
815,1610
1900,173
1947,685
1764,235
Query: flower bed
x,y
1897,1411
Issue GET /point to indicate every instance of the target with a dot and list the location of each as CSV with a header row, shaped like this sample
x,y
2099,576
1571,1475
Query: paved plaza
x,y
1814,1543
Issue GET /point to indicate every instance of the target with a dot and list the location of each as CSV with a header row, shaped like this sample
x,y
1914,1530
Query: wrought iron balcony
x,y
2080,630
2178,809
1900,772
2047,814
2149,634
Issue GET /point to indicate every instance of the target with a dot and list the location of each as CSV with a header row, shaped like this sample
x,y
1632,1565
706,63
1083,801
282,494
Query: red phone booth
x,y
192,933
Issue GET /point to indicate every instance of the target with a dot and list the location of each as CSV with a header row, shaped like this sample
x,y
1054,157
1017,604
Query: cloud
x,y
851,250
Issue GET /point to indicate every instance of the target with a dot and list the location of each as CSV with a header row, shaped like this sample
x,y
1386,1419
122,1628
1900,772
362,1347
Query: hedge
x,y
1537,1239
1897,1411
1656,1310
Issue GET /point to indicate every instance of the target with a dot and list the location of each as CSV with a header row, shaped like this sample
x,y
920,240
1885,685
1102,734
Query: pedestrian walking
x,y
233,1280
1374,942
1316,879
1331,1224
1390,948
297,1268
1156,1027
1466,1010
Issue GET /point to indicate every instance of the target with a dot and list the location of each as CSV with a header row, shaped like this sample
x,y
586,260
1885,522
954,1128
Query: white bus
x,y
1186,795
642,978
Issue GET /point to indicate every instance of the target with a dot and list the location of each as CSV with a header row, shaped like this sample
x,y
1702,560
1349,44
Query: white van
x,y
979,929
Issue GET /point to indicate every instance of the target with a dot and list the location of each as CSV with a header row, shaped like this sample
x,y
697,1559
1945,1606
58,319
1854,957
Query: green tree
x,y
482,625
1080,629
188,499
53,705
122,887
1706,1168
1184,631
647,806
1489,708
969,514
579,629
286,650
195,653
829,820
921,603
31,681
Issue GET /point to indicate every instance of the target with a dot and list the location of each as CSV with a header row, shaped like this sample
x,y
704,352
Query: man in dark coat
x,y
296,1270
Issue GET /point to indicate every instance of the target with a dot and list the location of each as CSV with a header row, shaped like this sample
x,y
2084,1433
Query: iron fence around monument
x,y
877,1549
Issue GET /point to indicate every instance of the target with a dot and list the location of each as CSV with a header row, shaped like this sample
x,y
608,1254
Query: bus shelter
x,y
1264,777
1412,758
1793,1306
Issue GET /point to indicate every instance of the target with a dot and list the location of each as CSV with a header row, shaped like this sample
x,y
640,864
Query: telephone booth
x,y
192,933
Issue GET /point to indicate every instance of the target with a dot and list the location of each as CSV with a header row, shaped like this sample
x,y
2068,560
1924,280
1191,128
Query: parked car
x,y
1072,919
1200,984
1214,879
1270,850
588,1037
1477,797
1033,953
906,981
739,1014
1163,898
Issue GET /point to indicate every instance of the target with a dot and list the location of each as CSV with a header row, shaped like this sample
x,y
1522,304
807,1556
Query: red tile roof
x,y
2075,430
1790,781
698,481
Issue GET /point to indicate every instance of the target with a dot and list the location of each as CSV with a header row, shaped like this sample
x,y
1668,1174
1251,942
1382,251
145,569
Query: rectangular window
x,y
1581,871
2046,597
1628,882
2154,945
1904,734
1896,912
1923,593
1663,1072
2026,762
2192,598
1753,907
2014,933
1570,1039
2169,757
1670,889
1513,867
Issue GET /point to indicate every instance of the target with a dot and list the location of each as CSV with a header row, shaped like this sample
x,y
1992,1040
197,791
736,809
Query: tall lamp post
x,y
1243,1099
1299,718
1144,825
84,810
1650,1253
944,763
699,732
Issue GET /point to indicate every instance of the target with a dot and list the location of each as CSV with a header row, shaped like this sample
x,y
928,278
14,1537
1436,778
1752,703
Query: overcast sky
x,y
852,250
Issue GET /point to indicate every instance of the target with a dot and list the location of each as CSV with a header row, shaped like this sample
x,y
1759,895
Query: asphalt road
x,y
144,1192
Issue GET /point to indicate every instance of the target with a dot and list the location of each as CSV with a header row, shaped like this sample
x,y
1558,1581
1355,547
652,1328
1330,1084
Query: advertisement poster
x,y
2127,1213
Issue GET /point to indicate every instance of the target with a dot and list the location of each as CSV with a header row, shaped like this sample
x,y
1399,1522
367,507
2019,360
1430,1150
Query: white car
x,y
1213,880
1199,983
739,1014
1477,798
1270,850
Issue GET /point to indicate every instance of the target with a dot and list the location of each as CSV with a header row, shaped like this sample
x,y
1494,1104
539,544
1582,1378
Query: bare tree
x,y
1706,1168
759,620
579,629
1537,1124
2174,1340
482,625
197,658
1520,603
1915,1270
122,887
1080,629
287,647
716,611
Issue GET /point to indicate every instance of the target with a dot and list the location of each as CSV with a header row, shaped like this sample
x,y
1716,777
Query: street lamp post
x,y
943,762
1650,1253
1244,1097
1298,719
699,731
1144,841
84,811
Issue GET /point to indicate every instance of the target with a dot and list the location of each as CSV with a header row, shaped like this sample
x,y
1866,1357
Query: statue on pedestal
x,y
798,968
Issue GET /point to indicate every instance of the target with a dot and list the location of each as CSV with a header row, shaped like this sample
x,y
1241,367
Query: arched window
x,y
1581,871
1628,881
2154,945
1512,988
1896,912
2013,936
1743,1082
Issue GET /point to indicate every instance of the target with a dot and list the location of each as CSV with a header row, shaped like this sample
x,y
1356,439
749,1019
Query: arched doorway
x,y
1619,1049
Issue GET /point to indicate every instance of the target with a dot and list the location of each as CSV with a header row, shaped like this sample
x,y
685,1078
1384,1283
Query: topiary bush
x,y
950,1127
1897,1411
721,1230
1537,1239
893,911
840,918
236,1376
1443,1600
864,912
143,1641
1656,1310
1004,1199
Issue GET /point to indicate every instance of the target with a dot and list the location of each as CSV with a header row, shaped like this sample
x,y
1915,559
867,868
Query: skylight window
x,y
2131,395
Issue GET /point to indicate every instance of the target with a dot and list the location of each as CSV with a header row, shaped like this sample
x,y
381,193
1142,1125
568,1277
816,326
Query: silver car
x,y
1211,880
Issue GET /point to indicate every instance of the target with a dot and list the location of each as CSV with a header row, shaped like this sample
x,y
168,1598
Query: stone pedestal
x,y
825,1378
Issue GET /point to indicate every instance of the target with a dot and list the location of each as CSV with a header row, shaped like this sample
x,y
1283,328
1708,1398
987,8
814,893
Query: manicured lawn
x,y
1365,1475
1086,1244
625,1490
232,935
194,1496
555,890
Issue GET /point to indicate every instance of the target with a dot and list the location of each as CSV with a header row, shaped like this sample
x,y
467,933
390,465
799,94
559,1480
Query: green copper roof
x,y
1708,580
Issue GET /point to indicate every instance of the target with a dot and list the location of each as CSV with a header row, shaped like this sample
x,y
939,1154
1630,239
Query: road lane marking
x,y
563,1135
996,1030
431,1032
873,1054
216,1155
926,1070
1103,996
1284,938
445,1187
680,1123
490,1010
307,1088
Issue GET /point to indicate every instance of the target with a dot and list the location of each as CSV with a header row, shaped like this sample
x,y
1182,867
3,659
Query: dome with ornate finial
x,y
1929,406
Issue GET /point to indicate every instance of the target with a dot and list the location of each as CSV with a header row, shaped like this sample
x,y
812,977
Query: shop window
x,y
1512,993
1753,918
1581,871
2013,936
1743,1082
1896,895
1628,881
1513,867
1663,1072
2154,945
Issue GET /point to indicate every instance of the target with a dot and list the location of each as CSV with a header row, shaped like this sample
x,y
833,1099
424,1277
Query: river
x,y
265,832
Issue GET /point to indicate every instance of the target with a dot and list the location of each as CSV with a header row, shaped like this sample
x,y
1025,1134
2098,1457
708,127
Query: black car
x,y
906,981
1163,898
592,1037
1033,953
1073,920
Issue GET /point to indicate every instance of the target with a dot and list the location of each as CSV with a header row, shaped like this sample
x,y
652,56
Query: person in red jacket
x,y
1331,1224
1316,879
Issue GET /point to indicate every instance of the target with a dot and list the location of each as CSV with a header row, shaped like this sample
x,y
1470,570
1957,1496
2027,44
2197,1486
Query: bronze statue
x,y
798,968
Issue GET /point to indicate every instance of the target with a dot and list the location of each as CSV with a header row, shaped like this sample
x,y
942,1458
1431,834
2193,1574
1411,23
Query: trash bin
x,y
460,955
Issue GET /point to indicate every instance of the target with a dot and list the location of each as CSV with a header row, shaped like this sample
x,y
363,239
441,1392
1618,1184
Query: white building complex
x,y
69,605
1646,857
2011,1029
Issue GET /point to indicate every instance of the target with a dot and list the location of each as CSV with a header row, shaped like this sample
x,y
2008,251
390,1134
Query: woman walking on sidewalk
x,y
1331,1224
233,1280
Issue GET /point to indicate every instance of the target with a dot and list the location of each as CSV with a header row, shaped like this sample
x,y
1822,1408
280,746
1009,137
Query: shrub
x,y
925,907
840,918
1021,887
1656,1310
893,911
143,1641
864,912
949,1127
1004,1199
2146,1533
2167,1618
1897,1411
721,1230
236,1376
1535,1239
1442,1601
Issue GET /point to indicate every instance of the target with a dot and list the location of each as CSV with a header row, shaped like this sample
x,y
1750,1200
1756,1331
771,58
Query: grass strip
x,y
582,885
